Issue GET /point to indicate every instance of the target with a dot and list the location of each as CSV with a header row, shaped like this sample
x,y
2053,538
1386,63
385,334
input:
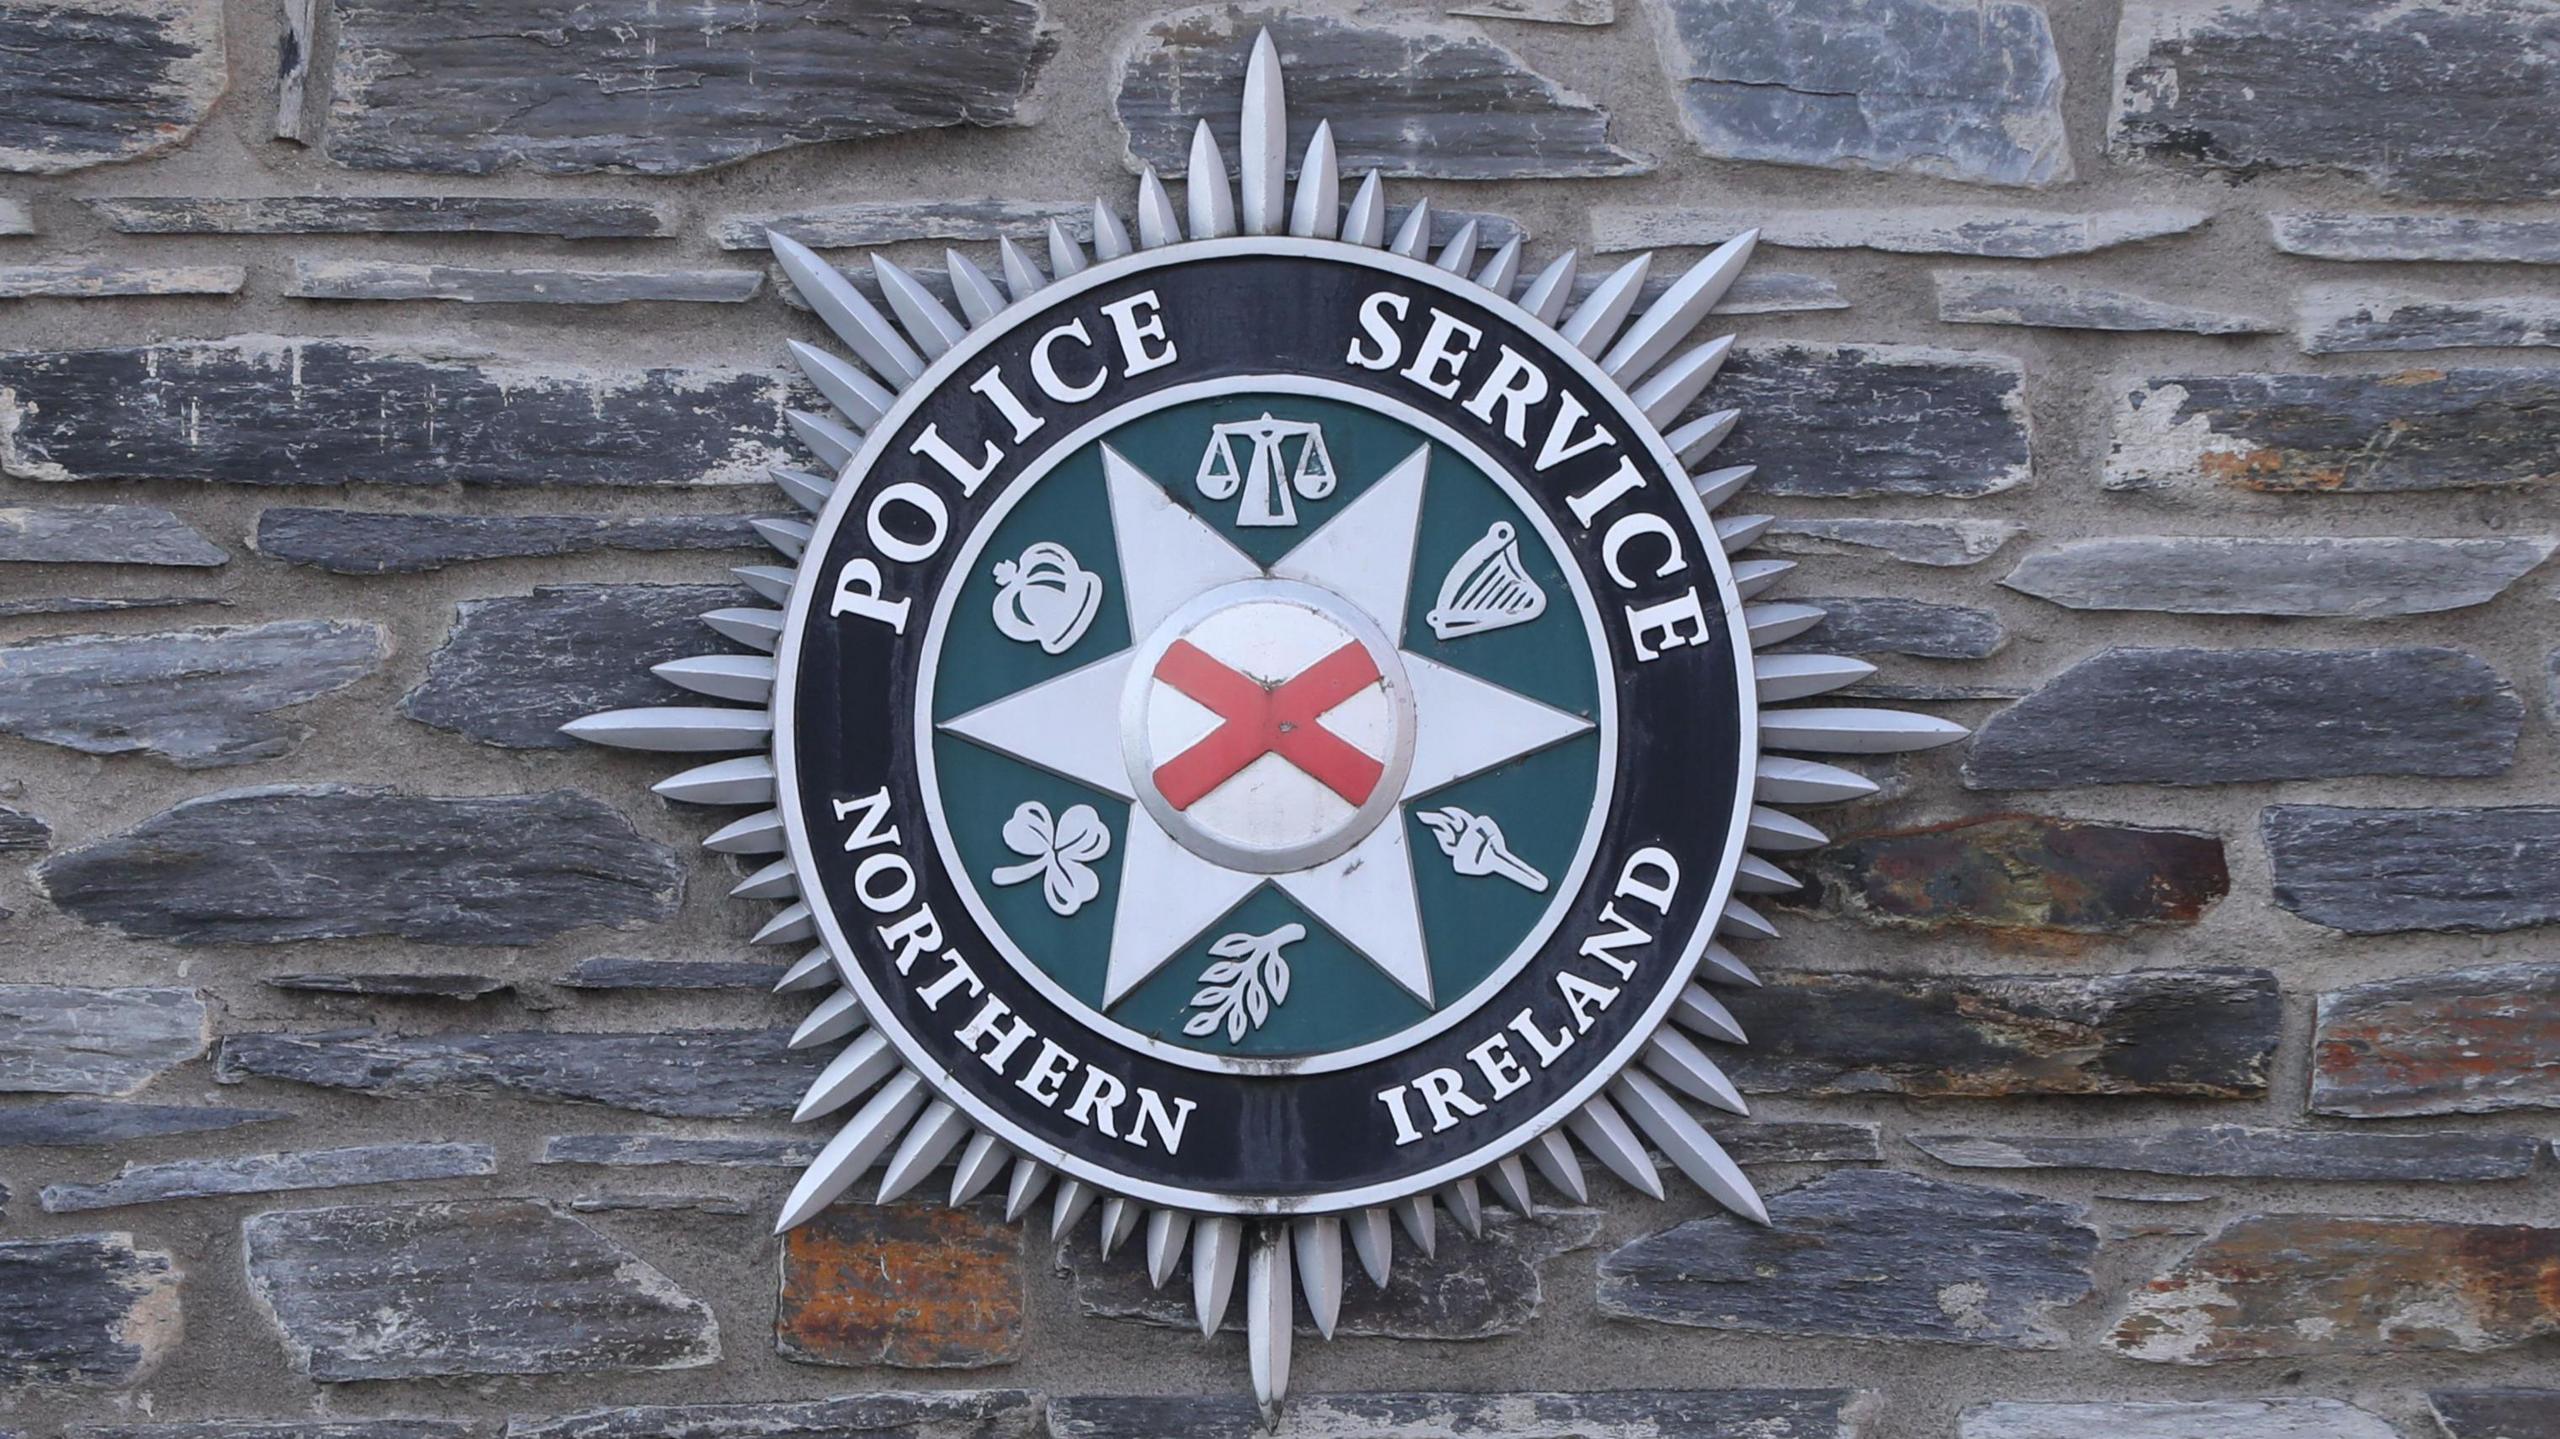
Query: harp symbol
x,y
1487,589
1270,501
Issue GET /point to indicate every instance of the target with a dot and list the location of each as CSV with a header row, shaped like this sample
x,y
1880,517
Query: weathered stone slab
x,y
2362,319
681,1073
1539,12
616,972
286,1429
2367,88
2465,1041
1610,1414
2294,434
1800,1141
504,1286
1943,544
1475,1288
2463,238
104,604
89,1310
274,1174
2204,1033
566,217
864,223
298,862
1867,1254
942,1414
2022,872
651,1150
1922,87
911,1286
2282,1286
2196,716
516,667
1966,298
105,280
1982,232
102,80
453,87
2233,1151
200,698
330,279
91,1123
395,984
64,1039
2176,1419
102,535
373,542
2496,1413
1406,95
727,1206
1841,421
21,832
2349,578
2374,871
261,410
1892,625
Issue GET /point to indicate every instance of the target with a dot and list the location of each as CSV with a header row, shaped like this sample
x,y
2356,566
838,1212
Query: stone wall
x,y
2168,391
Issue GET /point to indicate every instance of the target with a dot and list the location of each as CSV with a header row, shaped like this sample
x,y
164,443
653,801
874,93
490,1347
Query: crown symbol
x,y
1487,589
1046,597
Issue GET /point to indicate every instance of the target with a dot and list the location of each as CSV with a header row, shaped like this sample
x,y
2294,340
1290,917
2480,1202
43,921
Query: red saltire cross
x,y
1257,720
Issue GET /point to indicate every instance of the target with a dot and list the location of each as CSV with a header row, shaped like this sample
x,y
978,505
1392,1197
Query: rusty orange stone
x,y
2024,872
911,1286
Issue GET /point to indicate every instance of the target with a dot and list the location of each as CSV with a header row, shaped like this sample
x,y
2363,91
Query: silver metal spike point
x,y
1262,146
1270,1303
1110,237
1855,731
1699,438
1315,212
749,625
745,780
675,729
1545,298
862,399
747,679
770,582
1413,237
1682,307
1022,277
873,1128
1700,1012
1722,966
855,320
1460,252
788,537
929,1141
1741,921
813,970
1119,1221
1419,1221
1606,1133
1502,271
1559,1165
1668,391
1780,779
1217,1241
1780,832
980,298
1741,531
1757,876
1028,1179
1168,1233
806,490
933,328
1772,624
982,1159
1465,1204
833,444
1205,195
856,1070
1157,224
1717,486
1068,1204
1373,1239
1509,1181
774,881
1688,1146
1365,223
1596,320
1066,256
1676,1060
1318,1238
1751,577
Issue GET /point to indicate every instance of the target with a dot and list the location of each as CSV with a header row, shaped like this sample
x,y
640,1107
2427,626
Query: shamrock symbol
x,y
1249,981
1061,853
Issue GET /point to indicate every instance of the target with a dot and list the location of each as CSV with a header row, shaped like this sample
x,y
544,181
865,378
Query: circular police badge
x,y
1262,730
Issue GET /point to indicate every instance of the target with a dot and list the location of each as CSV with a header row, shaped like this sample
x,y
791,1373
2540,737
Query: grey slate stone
x,y
394,984
2175,1419
613,972
1966,298
1829,421
461,87
331,279
1982,232
724,1205
1968,92
1473,1288
1800,1141
2460,238
505,1286
2422,101
2233,1151
2363,319
2198,1033
104,604
890,222
287,1429
1406,95
1890,625
104,280
372,542
2196,716
2496,1413
89,1310
1943,544
274,1174
652,1150
2376,871
942,1414
102,535
21,831
301,862
1867,1254
564,217
2465,1041
2350,578
1609,1414
65,1039
200,698
515,668
2432,429
1756,292
95,81
89,1123
1538,12
263,410
680,1073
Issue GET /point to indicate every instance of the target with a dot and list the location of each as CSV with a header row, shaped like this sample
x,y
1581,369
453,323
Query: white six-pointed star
x,y
1224,800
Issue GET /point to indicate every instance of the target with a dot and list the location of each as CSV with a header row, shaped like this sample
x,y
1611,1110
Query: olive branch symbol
x,y
1248,982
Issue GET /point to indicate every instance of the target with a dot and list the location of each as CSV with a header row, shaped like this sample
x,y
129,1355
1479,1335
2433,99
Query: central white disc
x,y
1268,725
